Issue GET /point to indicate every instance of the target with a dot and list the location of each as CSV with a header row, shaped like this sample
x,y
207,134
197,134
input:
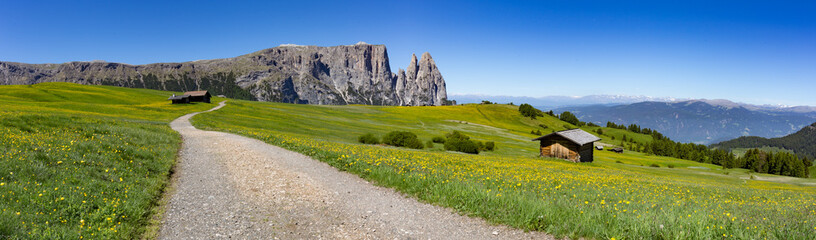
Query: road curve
x,y
230,186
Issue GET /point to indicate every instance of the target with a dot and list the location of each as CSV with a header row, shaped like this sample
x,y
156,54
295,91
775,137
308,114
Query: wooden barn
x,y
199,96
176,99
572,145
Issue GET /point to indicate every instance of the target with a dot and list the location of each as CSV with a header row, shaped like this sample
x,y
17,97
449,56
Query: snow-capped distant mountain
x,y
752,107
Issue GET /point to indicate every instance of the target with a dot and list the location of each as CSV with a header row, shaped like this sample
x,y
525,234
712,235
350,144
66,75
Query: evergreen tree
x,y
528,110
570,118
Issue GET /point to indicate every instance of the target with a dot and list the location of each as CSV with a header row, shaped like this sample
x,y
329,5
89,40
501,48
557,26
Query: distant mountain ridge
x,y
346,74
549,102
552,102
802,142
697,121
754,107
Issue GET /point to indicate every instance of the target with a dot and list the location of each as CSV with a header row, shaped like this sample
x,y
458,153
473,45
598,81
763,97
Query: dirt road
x,y
229,186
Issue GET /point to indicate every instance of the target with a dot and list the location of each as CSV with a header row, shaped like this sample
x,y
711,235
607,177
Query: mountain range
x,y
347,74
550,102
700,121
753,107
553,102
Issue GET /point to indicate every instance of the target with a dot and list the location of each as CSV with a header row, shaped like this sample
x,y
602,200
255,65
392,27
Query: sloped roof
x,y
577,136
196,93
178,97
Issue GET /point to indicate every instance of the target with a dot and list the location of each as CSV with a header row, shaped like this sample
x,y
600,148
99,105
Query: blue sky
x,y
747,51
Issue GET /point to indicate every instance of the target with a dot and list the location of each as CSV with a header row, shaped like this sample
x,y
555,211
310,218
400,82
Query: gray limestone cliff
x,y
348,74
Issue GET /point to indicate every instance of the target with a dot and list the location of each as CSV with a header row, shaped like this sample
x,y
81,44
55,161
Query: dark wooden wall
x,y
205,98
586,152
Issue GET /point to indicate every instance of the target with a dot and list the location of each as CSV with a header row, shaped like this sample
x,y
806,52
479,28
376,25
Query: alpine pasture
x,y
84,161
92,161
617,196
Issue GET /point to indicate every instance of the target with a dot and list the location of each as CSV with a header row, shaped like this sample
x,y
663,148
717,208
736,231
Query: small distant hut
x,y
572,145
199,96
176,99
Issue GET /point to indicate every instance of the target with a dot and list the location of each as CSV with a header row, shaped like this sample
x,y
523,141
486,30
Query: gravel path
x,y
230,186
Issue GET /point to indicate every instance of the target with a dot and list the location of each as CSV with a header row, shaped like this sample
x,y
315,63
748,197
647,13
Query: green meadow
x,y
84,161
621,196
92,162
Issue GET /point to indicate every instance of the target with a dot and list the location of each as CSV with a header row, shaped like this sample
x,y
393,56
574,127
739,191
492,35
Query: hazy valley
x,y
700,121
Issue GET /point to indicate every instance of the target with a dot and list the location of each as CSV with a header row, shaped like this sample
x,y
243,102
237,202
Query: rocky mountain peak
x,y
412,67
426,78
427,56
346,74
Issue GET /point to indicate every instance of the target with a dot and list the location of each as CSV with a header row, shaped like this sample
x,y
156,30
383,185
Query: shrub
x,y
368,138
618,161
461,145
458,141
456,135
536,132
490,146
438,139
654,165
403,139
429,144
670,166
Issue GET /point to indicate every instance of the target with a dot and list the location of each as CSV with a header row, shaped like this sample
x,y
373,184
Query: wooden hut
x,y
199,96
176,99
572,145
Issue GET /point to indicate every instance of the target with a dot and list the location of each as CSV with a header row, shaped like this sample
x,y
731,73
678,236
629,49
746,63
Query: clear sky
x,y
747,51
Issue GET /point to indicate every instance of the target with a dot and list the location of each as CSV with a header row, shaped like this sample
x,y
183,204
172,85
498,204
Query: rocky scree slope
x,y
348,74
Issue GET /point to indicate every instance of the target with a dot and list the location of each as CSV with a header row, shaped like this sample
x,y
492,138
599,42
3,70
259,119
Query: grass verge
x,y
81,161
74,177
597,200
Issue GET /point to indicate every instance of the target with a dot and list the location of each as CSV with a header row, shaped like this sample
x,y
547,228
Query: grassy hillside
x,y
739,152
83,161
618,195
91,100
614,136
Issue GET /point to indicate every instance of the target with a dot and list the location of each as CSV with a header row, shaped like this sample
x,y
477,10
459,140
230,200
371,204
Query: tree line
x,y
636,129
801,142
219,83
781,163
785,164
